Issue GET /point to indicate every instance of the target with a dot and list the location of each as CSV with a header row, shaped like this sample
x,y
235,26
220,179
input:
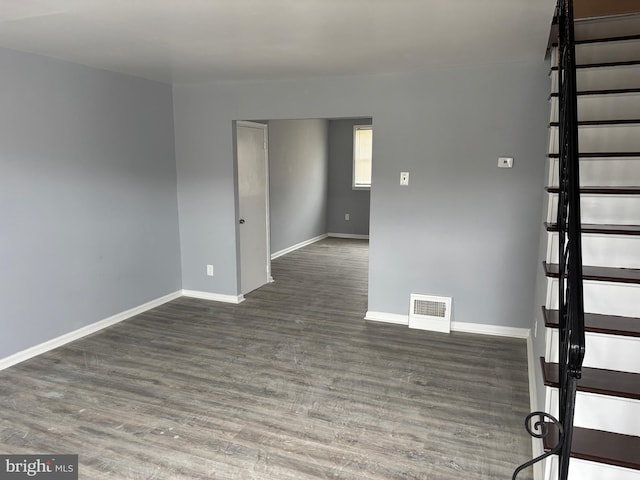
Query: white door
x,y
253,205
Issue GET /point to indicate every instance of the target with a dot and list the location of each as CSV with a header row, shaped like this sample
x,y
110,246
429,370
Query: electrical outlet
x,y
505,162
347,217
404,178
210,270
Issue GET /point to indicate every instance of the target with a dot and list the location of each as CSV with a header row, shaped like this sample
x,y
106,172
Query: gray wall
x,y
298,172
462,228
342,197
88,209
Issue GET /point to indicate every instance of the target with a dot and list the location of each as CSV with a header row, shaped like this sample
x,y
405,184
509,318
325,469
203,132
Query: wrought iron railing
x,y
571,306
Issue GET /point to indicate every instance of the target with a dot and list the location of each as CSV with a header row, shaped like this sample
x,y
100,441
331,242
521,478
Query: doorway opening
x,y
310,190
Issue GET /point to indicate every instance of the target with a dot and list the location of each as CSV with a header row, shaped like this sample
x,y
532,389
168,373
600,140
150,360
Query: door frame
x,y
265,129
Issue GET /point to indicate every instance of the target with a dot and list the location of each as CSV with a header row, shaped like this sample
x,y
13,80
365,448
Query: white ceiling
x,y
185,41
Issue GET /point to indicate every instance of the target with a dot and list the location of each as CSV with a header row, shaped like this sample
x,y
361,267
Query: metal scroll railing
x,y
571,306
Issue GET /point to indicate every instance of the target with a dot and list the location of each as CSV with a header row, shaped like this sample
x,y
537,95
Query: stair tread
x,y
588,123
599,323
601,154
603,190
611,91
600,446
597,380
603,274
602,40
607,229
608,39
625,63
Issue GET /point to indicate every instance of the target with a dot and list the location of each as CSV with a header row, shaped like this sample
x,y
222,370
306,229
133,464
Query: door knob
x,y
241,221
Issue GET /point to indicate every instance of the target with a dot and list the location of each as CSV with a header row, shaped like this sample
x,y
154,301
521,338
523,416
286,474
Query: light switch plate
x,y
505,162
404,178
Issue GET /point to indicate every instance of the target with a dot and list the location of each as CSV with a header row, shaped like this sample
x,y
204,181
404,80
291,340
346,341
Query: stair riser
x,y
621,251
612,209
600,412
610,352
609,138
604,52
602,297
608,27
612,172
584,470
603,78
603,107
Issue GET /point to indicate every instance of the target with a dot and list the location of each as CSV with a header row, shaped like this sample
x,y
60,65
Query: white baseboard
x,y
84,331
355,236
216,297
478,328
483,329
432,324
290,249
387,317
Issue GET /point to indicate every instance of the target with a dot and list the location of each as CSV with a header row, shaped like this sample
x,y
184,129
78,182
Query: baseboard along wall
x,y
295,247
215,297
292,248
387,317
478,328
354,236
109,321
84,331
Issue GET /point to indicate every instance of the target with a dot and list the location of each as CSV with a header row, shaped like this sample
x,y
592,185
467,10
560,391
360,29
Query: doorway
x,y
311,195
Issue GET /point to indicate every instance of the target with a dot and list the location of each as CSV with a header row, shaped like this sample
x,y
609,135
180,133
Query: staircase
x,y
606,437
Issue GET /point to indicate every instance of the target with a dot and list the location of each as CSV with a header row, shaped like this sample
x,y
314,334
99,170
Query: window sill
x,y
360,187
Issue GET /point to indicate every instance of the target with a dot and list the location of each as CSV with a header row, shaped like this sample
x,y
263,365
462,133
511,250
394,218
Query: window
x,y
362,150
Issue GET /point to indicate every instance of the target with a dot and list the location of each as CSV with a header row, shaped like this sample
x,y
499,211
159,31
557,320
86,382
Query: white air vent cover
x,y
427,312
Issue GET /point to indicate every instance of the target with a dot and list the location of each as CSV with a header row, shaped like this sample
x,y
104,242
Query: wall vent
x,y
427,312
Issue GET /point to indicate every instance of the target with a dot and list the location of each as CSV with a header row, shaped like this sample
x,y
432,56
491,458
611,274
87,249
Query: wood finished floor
x,y
291,384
